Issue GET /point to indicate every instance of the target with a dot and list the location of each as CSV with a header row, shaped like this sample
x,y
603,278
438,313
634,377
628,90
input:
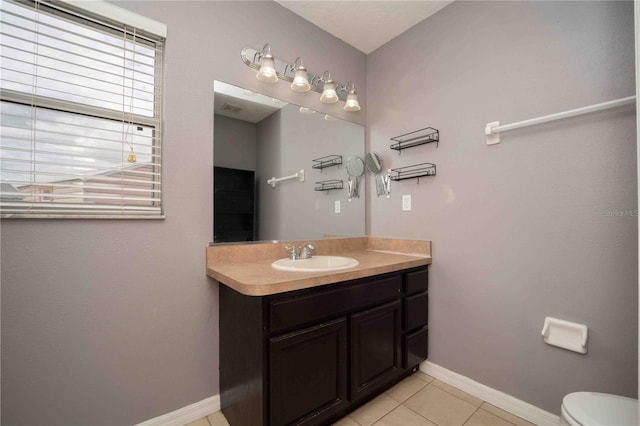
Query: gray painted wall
x,y
235,145
523,229
288,141
108,322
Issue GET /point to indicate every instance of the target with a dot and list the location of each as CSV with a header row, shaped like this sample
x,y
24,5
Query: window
x,y
80,113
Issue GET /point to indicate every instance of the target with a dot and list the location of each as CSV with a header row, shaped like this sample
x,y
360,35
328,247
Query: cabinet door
x,y
308,374
375,347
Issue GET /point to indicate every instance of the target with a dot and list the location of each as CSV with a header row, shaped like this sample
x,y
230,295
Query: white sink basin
x,y
315,264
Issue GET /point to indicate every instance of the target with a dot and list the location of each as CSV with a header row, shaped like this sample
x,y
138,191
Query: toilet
x,y
598,409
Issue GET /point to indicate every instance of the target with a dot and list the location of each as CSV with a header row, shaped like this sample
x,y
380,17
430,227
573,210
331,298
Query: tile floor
x,y
419,400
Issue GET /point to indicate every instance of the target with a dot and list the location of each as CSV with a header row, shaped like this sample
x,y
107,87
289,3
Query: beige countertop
x,y
247,267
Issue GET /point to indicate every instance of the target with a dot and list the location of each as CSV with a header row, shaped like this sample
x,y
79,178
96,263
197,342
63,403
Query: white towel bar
x,y
299,176
493,129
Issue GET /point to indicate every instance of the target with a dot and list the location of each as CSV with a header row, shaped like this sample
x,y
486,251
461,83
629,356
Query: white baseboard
x,y
495,397
184,415
538,416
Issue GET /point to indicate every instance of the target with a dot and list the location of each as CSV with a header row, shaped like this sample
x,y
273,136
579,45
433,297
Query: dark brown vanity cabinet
x,y
308,357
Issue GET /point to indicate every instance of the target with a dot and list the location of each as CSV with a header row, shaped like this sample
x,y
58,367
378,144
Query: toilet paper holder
x,y
565,334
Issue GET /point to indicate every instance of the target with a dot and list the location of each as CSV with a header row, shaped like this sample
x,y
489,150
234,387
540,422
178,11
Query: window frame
x,y
101,16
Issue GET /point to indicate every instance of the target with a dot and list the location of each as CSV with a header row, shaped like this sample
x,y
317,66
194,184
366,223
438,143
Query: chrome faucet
x,y
304,253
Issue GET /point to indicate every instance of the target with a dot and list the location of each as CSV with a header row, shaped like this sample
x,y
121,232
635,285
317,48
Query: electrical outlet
x,y
406,203
337,206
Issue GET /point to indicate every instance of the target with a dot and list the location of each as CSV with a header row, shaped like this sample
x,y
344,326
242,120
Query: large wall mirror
x,y
257,138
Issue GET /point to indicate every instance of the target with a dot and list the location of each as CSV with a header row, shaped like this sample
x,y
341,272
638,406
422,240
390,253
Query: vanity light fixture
x,y
352,103
300,77
329,94
267,72
271,70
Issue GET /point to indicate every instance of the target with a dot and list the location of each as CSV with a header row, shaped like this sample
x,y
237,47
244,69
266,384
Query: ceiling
x,y
364,24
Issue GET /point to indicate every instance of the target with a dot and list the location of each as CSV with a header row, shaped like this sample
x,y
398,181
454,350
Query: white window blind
x,y
80,114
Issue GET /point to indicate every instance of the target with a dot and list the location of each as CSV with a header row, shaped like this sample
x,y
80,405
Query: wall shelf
x,y
328,185
326,161
415,171
416,138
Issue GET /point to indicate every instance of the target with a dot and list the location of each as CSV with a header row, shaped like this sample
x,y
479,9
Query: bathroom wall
x,y
235,145
545,223
109,322
288,141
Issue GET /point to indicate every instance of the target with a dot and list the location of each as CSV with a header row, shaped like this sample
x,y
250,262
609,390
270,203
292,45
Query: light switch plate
x,y
337,206
406,203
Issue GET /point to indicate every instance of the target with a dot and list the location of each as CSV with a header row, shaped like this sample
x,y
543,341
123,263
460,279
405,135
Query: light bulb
x,y
300,81
329,95
267,71
352,103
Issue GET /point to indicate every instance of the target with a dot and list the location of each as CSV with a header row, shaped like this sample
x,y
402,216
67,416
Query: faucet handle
x,y
292,252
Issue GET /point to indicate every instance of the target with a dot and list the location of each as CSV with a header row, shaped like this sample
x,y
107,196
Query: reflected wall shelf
x,y
416,138
415,171
328,185
326,161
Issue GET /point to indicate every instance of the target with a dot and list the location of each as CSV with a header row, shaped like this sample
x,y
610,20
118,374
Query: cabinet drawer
x,y
416,311
318,306
415,347
416,281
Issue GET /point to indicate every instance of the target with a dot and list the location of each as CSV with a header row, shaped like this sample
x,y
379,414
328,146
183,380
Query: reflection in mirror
x,y
355,169
373,162
355,166
257,138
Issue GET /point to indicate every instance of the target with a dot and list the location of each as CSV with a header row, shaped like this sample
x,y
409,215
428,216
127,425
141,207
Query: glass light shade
x,y
300,81
329,95
267,71
352,103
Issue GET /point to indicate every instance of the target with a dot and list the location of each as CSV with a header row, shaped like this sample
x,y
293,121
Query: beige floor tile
x,y
217,419
346,421
457,392
440,407
406,388
200,422
422,376
402,416
505,415
485,418
374,410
